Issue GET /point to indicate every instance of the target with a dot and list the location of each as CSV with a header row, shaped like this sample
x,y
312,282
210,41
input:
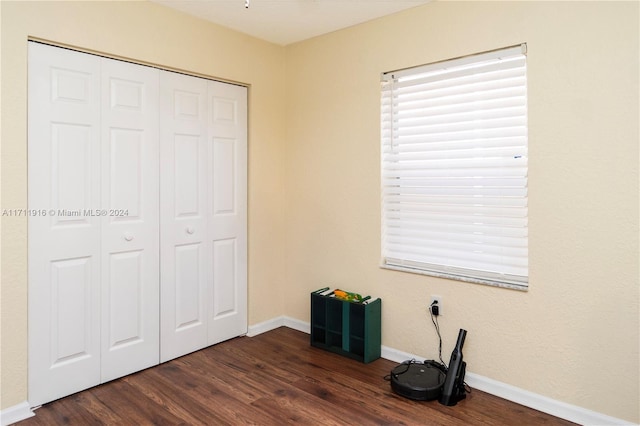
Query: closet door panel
x,y
187,172
188,301
184,248
130,231
223,166
224,297
70,310
64,241
227,212
125,299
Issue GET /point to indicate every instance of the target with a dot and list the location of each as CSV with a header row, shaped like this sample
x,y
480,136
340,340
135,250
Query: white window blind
x,y
454,168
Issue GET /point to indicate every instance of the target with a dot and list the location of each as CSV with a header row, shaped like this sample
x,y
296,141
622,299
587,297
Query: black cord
x,y
434,320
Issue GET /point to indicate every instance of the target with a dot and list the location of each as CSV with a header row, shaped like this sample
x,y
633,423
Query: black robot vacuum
x,y
421,381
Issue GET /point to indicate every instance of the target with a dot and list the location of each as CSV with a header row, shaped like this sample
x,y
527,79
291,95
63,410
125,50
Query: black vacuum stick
x,y
453,389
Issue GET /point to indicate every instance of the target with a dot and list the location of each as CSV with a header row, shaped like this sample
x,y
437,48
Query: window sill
x,y
511,286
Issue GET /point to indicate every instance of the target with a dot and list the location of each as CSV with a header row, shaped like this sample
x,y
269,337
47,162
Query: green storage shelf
x,y
346,328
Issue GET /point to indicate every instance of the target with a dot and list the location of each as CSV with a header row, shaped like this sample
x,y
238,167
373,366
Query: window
x,y
454,169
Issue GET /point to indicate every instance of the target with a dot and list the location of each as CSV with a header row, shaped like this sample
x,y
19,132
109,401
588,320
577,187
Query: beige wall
x,y
148,33
574,335
314,200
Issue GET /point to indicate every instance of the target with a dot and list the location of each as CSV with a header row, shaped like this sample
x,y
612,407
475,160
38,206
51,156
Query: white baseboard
x,y
15,414
282,321
265,326
305,327
529,399
542,403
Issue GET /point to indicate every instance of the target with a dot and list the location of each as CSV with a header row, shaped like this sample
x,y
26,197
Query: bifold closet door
x,y
130,295
93,221
64,251
137,218
227,211
203,213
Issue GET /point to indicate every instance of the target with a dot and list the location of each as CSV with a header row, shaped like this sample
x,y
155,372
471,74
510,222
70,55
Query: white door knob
x,y
128,236
190,230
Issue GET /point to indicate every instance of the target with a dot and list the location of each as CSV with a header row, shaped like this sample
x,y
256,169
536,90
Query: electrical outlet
x,y
437,299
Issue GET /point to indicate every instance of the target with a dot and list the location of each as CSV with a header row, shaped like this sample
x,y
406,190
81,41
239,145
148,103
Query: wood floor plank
x,y
138,409
358,404
207,395
271,379
81,408
162,391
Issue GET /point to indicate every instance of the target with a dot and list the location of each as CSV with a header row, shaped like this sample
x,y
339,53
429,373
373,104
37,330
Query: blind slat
x,y
419,209
448,164
392,200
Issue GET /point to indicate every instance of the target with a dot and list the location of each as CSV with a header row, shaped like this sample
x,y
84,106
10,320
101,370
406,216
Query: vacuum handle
x,y
455,374
462,334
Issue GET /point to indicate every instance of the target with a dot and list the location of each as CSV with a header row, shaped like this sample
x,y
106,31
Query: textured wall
x,y
574,335
149,33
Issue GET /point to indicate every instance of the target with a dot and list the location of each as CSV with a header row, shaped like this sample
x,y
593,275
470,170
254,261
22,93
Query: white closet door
x,y
203,171
130,238
227,212
93,227
184,248
64,242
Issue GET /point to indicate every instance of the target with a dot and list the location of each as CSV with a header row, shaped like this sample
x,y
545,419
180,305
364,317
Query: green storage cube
x,y
347,328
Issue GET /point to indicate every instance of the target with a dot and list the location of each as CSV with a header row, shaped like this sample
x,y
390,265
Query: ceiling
x,y
288,21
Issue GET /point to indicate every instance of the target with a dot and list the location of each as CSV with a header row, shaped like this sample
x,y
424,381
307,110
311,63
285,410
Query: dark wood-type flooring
x,y
271,379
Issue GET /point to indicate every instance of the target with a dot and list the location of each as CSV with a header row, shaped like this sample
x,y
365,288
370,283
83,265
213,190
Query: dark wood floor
x,y
271,379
